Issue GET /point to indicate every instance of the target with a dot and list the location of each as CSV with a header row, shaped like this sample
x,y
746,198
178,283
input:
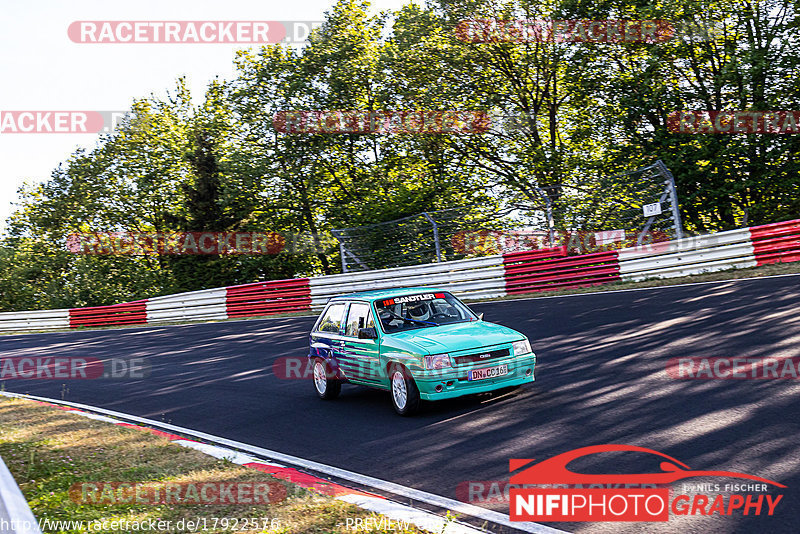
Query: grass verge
x,y
48,450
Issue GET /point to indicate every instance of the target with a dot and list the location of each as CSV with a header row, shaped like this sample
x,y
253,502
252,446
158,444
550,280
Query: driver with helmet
x,y
421,311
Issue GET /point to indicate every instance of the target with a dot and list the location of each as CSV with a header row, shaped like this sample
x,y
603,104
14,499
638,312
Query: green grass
x,y
48,450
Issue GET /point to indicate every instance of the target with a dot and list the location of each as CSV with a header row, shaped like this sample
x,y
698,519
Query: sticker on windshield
x,y
412,298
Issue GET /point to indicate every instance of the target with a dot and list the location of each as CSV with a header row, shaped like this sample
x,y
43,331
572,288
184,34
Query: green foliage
x,y
583,111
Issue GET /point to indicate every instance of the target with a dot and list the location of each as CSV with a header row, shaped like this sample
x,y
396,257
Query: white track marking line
x,y
365,480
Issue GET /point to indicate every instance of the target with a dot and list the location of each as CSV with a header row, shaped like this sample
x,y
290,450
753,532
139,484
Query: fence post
x,y
342,251
344,260
435,236
673,198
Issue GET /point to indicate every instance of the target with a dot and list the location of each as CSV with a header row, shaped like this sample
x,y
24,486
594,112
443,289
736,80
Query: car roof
x,y
378,294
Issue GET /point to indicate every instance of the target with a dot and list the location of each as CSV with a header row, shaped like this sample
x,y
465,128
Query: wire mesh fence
x,y
602,213
422,238
643,201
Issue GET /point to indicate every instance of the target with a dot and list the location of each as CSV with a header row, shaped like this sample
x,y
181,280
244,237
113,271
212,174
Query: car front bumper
x,y
454,383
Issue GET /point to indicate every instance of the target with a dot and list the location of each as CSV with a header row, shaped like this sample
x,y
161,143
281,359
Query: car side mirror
x,y
367,333
480,317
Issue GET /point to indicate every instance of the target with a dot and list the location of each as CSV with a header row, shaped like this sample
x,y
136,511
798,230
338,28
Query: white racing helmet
x,y
421,311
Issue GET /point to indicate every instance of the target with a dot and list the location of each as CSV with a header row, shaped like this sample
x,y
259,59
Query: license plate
x,y
487,372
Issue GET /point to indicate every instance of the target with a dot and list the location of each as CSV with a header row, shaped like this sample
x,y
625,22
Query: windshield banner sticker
x,y
412,298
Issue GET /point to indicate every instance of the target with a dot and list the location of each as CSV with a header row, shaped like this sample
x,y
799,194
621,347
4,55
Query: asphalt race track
x,y
600,379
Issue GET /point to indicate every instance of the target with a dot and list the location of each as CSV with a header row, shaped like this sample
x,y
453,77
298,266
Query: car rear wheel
x,y
325,385
403,391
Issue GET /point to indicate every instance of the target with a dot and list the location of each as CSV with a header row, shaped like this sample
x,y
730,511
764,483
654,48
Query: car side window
x,y
360,316
332,319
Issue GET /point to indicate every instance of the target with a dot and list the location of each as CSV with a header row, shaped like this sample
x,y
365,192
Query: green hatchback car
x,y
418,343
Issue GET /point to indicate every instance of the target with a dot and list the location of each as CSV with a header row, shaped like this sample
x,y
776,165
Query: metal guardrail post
x,y
435,236
15,515
342,250
673,196
649,222
344,260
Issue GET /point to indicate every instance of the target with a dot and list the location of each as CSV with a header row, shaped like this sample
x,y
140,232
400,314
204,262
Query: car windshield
x,y
424,310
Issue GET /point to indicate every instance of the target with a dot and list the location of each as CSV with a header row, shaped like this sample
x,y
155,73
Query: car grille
x,y
482,356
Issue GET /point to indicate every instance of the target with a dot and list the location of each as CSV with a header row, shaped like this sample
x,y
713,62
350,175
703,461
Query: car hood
x,y
458,336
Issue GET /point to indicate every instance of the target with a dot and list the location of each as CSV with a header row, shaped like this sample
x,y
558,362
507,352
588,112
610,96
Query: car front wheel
x,y
403,391
326,386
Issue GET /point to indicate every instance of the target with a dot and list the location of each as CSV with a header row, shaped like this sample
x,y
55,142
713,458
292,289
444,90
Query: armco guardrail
x,y
266,298
775,243
204,305
33,320
116,314
693,255
526,272
469,279
476,278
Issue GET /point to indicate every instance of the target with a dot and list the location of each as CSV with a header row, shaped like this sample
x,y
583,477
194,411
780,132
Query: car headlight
x,y
437,361
521,347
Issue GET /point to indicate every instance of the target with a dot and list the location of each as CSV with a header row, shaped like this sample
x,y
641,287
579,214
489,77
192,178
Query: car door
x,y
362,355
326,338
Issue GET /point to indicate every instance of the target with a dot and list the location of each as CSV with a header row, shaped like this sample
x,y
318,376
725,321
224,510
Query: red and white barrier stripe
x,y
776,243
475,278
267,298
116,314
549,269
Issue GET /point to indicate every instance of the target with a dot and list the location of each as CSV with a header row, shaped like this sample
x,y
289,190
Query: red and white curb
x,y
368,501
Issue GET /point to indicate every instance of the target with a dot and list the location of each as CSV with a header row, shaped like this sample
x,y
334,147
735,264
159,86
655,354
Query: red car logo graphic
x,y
554,470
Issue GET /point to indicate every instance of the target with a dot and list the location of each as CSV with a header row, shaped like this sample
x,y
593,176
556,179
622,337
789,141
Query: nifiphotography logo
x,y
610,497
